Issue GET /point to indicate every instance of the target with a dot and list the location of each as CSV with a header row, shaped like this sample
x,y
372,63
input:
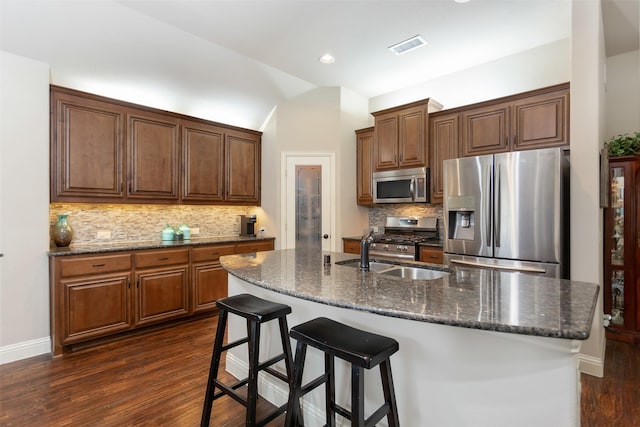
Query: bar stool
x,y
363,350
256,311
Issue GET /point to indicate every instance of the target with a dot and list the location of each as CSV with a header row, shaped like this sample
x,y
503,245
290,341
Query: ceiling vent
x,y
407,45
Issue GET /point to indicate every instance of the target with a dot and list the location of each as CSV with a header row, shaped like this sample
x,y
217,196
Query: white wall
x,y
623,94
24,207
587,133
319,121
535,68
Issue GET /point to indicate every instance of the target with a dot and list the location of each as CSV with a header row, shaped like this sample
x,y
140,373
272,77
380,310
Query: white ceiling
x,y
233,61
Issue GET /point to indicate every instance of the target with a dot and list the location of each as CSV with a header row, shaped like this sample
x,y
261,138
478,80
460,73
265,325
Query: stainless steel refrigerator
x,y
508,211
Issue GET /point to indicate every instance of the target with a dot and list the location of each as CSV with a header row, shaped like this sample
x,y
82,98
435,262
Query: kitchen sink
x,y
401,271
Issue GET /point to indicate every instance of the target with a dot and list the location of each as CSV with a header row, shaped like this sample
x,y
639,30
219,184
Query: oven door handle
x,y
412,189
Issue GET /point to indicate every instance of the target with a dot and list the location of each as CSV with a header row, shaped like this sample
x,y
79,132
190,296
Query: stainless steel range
x,y
402,235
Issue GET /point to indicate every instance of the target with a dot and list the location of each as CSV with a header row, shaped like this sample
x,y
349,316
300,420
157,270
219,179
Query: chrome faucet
x,y
364,251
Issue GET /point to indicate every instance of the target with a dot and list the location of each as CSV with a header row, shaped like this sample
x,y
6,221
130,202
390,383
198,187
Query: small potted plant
x,y
623,145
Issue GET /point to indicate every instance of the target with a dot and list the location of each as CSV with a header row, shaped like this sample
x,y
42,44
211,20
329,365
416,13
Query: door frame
x,y
285,198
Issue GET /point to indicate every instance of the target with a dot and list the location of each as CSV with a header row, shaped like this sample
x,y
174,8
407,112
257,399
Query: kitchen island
x,y
477,347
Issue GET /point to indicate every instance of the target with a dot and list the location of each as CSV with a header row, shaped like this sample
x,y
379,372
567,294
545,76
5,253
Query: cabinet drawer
x,y
70,267
211,253
351,246
244,248
431,255
162,257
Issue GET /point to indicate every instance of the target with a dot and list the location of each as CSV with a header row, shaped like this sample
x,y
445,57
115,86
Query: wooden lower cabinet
x,y
208,276
351,246
95,296
431,255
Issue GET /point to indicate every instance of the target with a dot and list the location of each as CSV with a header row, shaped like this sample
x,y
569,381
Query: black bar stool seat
x,y
256,311
363,350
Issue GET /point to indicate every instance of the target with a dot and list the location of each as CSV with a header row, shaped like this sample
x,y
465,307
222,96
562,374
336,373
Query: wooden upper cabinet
x,y
203,157
364,166
386,147
541,121
87,149
527,121
444,140
109,151
243,157
485,130
154,156
412,141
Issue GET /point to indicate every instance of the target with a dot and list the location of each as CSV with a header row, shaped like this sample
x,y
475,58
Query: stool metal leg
x,y
293,406
253,329
389,394
213,369
357,396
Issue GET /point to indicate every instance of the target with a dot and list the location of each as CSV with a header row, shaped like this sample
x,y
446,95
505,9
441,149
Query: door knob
x,y
326,236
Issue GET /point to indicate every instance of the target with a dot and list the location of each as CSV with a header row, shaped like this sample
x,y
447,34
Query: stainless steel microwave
x,y
401,186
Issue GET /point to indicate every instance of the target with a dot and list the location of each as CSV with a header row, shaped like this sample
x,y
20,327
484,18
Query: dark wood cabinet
x,y
87,149
443,141
351,246
243,157
162,285
431,255
209,278
110,151
364,167
400,136
154,155
203,154
622,250
95,296
532,120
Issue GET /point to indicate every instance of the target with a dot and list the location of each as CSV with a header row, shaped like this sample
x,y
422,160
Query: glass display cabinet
x,y
622,250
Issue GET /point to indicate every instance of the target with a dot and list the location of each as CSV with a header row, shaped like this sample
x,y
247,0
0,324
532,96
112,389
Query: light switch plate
x,y
103,234
194,231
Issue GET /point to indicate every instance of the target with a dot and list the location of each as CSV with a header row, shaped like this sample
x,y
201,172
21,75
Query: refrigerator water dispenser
x,y
461,225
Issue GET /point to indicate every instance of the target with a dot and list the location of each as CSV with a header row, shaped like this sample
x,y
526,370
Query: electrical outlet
x,y
375,229
195,231
103,234
262,230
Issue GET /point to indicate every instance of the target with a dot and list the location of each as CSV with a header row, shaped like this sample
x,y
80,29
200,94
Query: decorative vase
x,y
62,232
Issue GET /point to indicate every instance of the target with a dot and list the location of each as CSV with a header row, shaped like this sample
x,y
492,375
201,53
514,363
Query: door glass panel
x,y
308,207
617,297
617,204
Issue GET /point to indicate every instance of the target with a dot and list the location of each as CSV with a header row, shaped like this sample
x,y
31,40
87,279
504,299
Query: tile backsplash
x,y
133,222
379,214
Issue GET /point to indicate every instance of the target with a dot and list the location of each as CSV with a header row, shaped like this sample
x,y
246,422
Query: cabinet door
x,y
203,156
161,294
412,142
444,141
431,255
541,121
243,153
95,306
209,285
154,156
385,149
485,130
364,167
258,246
351,246
87,149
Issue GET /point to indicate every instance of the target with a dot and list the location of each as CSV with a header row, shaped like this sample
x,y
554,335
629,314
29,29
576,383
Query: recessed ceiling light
x,y
460,1
327,59
407,45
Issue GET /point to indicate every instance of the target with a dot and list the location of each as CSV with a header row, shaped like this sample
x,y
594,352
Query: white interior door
x,y
308,189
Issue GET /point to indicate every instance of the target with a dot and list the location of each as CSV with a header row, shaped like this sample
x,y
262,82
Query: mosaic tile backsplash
x,y
145,222
379,214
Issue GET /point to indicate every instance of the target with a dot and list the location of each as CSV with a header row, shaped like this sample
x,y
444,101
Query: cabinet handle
x,y
163,258
215,254
97,265
515,139
639,239
129,282
138,283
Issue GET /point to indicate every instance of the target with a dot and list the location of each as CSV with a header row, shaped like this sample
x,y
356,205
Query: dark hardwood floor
x,y
159,378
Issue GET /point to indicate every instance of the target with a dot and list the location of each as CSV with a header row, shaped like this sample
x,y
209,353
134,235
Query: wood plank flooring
x,y
159,378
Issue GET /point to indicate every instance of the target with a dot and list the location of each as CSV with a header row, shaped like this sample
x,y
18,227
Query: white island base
x,y
444,376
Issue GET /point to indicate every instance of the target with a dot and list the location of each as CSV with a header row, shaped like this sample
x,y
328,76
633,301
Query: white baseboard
x,y
592,365
24,350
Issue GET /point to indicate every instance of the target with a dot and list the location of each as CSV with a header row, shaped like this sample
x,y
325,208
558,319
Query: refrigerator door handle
x,y
498,212
488,221
499,267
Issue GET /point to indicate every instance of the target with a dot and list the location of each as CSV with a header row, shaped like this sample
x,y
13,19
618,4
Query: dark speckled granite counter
x,y
468,297
150,244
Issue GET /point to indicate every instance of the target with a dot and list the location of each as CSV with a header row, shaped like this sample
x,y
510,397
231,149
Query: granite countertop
x,y
150,244
431,244
468,297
